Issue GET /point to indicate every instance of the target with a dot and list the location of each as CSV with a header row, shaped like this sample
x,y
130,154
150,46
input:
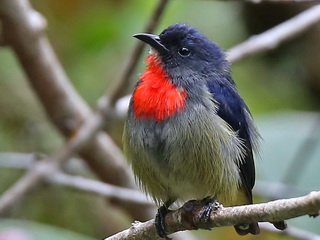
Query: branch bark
x,y
55,176
188,216
274,37
23,30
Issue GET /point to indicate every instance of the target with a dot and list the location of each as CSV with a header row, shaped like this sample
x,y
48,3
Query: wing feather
x,y
235,112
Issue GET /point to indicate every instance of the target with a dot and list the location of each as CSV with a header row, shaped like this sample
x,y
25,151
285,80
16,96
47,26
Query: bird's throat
x,y
155,97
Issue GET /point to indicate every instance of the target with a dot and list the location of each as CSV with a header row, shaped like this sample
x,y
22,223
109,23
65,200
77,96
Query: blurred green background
x,y
92,39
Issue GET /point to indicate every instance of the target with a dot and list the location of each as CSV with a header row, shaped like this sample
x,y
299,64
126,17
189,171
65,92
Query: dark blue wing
x,y
234,111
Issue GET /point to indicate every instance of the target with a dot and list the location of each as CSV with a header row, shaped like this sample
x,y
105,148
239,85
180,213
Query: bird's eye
x,y
184,52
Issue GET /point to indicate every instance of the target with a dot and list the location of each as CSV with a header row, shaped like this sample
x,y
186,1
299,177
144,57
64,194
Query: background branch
x,y
64,106
274,37
112,192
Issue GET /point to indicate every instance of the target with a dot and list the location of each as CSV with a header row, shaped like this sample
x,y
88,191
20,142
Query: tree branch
x,y
92,186
112,192
51,164
274,37
23,30
188,216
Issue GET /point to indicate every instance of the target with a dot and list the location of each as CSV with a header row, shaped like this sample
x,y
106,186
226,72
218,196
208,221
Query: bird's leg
x,y
210,204
160,221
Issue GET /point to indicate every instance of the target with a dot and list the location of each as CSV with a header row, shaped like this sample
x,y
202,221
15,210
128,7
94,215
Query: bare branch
x,y
188,216
112,192
22,30
274,37
50,165
54,176
267,190
25,183
29,161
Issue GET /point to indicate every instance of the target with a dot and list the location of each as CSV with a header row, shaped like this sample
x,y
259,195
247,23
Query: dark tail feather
x,y
282,225
252,228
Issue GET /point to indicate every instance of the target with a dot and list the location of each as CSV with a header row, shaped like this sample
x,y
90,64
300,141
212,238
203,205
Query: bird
x,y
188,133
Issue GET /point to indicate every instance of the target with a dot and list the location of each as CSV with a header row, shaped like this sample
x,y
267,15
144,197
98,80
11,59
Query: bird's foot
x,y
209,205
160,222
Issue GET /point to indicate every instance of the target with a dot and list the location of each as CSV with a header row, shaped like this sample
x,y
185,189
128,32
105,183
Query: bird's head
x,y
184,51
181,64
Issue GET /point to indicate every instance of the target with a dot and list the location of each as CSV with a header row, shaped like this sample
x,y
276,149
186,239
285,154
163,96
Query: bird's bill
x,y
153,41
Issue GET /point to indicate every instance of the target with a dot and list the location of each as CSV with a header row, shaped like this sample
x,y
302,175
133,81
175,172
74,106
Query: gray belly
x,y
185,157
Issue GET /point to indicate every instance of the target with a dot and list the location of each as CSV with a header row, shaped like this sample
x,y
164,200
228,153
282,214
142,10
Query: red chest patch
x,y
156,97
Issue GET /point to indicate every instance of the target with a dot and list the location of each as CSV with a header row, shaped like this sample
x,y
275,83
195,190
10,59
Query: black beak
x,y
153,41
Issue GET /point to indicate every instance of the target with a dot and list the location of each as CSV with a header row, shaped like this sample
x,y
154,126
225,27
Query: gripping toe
x,y
160,222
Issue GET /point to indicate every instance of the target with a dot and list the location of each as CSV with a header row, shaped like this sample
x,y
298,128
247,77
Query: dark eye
x,y
184,51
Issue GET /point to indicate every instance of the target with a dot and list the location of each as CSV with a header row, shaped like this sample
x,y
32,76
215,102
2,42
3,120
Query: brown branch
x,y
48,170
188,216
48,166
62,103
274,37
27,161
67,110
23,31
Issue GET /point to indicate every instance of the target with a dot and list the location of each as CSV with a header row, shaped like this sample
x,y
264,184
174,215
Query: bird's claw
x,y
210,204
160,222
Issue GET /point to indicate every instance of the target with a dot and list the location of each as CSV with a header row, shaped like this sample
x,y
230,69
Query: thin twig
x,y
274,37
122,84
47,166
268,190
92,186
29,161
26,183
188,216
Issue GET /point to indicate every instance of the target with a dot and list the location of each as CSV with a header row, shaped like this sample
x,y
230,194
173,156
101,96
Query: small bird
x,y
188,133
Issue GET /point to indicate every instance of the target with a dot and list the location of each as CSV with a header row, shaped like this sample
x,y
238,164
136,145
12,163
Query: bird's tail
x,y
254,229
